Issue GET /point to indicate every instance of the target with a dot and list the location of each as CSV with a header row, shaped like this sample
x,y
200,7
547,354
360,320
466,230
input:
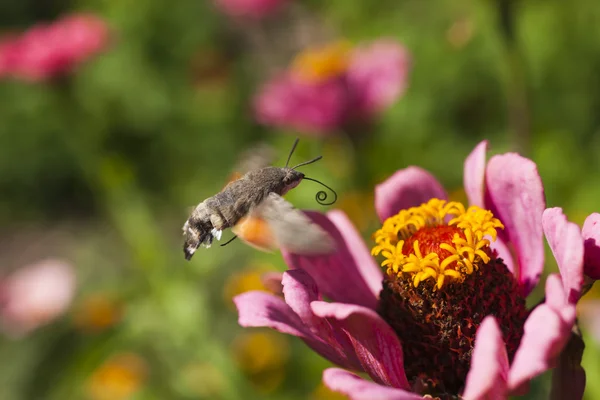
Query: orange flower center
x,y
322,63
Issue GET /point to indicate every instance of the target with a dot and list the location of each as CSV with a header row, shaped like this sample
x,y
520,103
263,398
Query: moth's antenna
x,y
321,196
308,162
229,241
292,151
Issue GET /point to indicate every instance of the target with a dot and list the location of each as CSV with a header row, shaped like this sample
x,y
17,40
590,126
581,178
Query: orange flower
x,y
97,312
118,378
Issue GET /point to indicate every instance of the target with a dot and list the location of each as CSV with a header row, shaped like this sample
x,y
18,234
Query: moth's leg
x,y
219,223
186,227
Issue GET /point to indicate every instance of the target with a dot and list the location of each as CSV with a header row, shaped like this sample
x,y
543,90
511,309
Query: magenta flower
x,y
591,235
331,87
249,8
313,108
377,75
47,51
449,318
35,295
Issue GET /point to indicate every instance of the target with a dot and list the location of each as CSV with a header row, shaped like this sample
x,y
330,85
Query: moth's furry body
x,y
226,208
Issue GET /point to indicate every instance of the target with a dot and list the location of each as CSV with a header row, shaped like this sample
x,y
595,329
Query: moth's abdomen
x,y
223,210
235,201
199,230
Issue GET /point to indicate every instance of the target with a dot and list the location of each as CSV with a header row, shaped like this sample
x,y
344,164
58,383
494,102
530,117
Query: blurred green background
x,y
101,169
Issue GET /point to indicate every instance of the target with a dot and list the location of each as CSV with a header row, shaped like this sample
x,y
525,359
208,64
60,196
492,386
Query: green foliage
x,y
118,151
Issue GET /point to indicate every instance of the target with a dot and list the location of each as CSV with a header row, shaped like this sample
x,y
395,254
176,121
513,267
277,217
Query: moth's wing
x,y
292,229
258,156
255,231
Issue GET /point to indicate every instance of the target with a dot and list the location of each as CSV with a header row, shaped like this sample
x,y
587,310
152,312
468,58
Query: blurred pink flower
x,y
356,330
249,8
5,43
35,295
328,88
314,108
46,51
377,75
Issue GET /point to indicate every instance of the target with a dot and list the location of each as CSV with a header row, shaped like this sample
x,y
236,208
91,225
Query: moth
x,y
254,208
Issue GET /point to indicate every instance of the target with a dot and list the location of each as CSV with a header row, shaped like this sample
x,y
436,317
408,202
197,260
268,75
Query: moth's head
x,y
291,179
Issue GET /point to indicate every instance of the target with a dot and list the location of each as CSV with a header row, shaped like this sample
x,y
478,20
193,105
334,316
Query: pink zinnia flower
x,y
333,86
450,317
47,51
377,75
35,295
288,101
249,8
591,236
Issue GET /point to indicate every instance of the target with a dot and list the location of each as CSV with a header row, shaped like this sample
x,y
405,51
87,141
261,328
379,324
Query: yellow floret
x,y
466,253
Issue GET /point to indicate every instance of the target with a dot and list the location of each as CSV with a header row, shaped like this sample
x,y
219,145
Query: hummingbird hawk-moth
x,y
253,207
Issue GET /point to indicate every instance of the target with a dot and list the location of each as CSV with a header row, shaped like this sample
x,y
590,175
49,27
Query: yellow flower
x,y
118,378
262,356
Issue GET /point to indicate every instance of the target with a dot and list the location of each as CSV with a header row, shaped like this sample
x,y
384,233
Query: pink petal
x,y
358,388
516,197
377,75
300,291
365,263
546,332
591,237
568,378
339,276
474,174
487,378
376,344
260,309
566,244
543,339
557,300
556,296
504,253
408,187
